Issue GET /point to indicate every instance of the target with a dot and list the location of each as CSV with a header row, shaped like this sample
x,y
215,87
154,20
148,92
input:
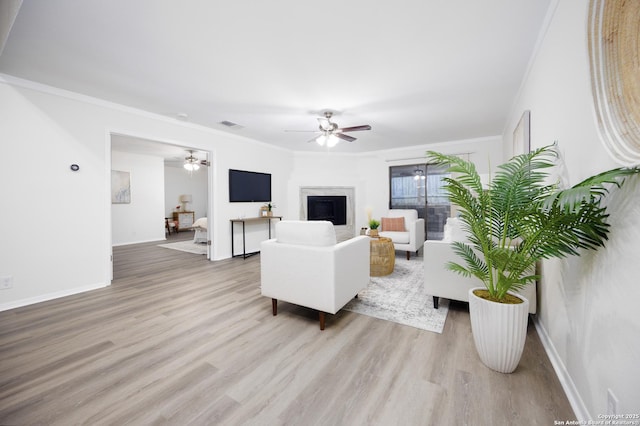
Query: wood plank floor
x,y
178,340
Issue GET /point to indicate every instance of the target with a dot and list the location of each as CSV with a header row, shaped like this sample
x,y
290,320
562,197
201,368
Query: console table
x,y
244,221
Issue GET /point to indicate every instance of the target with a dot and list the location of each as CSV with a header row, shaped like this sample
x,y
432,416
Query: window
x,y
419,187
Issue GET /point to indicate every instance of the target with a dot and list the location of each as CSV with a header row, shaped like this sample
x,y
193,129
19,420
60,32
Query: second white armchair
x,y
441,282
405,229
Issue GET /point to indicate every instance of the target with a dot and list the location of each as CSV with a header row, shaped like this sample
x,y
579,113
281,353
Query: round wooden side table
x,y
383,256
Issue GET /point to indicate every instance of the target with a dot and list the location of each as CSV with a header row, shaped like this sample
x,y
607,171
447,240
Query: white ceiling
x,y
417,71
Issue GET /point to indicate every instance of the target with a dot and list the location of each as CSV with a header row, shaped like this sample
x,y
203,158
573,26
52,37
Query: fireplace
x,y
346,194
327,207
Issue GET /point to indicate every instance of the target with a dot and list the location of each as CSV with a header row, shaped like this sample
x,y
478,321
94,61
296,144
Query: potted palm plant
x,y
517,220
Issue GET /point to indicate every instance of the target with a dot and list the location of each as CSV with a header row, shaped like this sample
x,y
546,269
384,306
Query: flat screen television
x,y
245,186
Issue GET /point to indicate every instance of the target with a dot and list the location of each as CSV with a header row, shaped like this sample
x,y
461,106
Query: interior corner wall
x,y
142,219
588,305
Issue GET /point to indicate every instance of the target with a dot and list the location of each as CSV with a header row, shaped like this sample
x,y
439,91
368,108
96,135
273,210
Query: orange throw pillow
x,y
392,224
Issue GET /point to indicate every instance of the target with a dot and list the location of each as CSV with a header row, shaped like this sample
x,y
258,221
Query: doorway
x,y
160,188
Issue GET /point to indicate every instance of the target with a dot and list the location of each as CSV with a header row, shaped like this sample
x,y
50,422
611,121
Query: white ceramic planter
x,y
499,331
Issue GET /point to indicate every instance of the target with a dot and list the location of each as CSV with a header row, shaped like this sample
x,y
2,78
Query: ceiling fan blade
x,y
355,128
345,137
303,131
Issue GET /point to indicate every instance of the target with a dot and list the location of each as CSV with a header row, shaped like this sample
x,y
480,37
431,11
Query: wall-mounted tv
x,y
247,186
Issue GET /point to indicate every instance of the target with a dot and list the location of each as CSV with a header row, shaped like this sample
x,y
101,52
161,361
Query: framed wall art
x,y
120,187
522,134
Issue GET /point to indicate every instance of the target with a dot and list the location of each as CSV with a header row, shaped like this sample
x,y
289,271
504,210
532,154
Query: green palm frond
x,y
595,187
520,218
475,265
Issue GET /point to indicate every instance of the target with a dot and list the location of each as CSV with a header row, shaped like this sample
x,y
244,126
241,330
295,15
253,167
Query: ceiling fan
x,y
330,133
192,163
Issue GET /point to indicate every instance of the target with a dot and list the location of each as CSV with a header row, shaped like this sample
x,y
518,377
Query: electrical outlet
x,y
6,282
612,402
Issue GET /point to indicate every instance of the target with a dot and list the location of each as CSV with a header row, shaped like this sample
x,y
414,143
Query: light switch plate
x,y
6,282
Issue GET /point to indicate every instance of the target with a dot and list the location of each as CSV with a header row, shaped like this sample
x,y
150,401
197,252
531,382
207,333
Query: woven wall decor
x,y
614,59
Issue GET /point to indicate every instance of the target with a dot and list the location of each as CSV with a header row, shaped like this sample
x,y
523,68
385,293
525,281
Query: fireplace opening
x,y
327,207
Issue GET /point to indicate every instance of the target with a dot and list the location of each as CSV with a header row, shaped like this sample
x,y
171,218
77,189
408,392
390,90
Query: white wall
x,y
178,181
141,220
588,305
59,240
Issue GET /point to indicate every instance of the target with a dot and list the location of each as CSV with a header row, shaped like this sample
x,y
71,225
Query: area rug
x,y
189,246
400,297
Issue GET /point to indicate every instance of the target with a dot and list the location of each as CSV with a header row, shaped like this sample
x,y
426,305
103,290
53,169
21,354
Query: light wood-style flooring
x,y
178,340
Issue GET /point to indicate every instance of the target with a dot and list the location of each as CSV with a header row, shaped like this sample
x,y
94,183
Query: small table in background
x,y
383,256
183,220
244,221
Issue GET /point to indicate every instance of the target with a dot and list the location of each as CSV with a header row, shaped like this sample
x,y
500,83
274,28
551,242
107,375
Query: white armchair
x,y
405,229
305,266
441,282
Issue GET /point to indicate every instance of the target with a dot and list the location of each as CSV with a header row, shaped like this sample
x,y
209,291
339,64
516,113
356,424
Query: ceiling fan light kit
x,y
327,138
191,163
332,141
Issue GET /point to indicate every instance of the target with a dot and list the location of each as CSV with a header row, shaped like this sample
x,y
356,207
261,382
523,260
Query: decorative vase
x,y
269,213
373,233
499,331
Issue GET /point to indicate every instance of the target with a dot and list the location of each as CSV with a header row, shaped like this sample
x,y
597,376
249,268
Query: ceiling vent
x,y
229,124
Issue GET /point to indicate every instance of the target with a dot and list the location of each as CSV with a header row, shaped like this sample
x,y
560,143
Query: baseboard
x,y
140,242
50,296
579,409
